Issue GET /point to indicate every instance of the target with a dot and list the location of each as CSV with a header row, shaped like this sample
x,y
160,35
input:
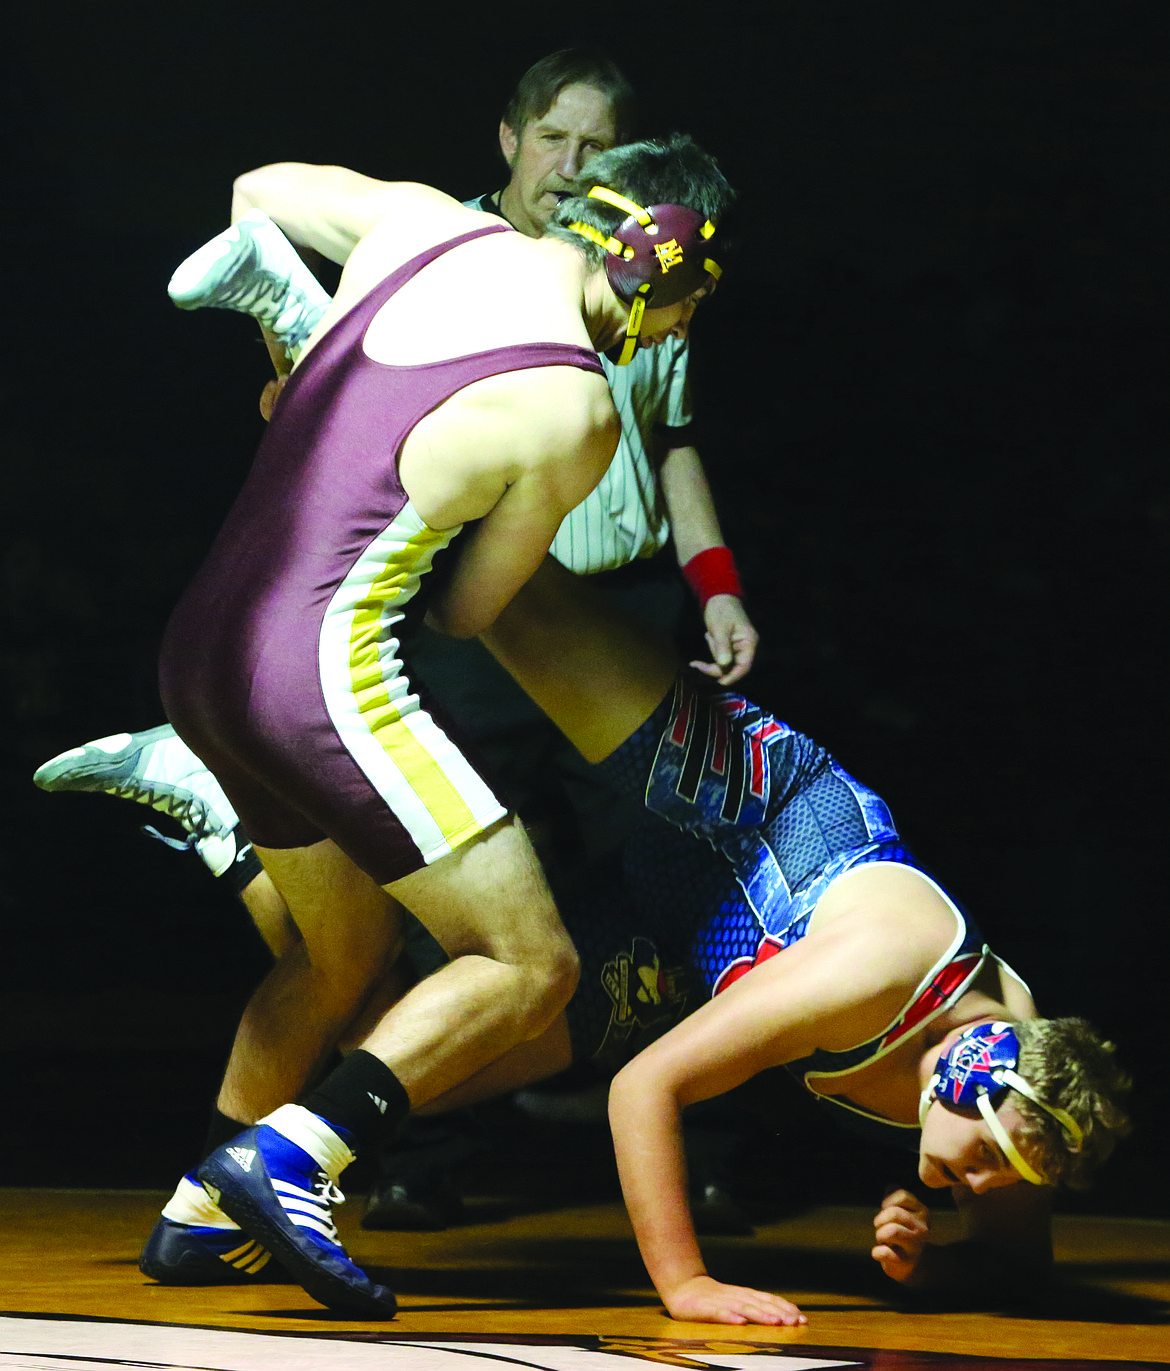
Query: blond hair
x,y
1068,1065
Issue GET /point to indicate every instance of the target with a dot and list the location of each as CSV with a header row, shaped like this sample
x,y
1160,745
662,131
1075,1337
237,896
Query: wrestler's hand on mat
x,y
270,394
902,1230
704,1300
731,638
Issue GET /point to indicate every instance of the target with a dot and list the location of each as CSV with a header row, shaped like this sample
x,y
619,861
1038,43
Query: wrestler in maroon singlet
x,y
280,665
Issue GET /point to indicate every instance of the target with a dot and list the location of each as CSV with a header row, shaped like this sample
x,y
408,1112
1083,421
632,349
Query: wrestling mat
x,y
64,1344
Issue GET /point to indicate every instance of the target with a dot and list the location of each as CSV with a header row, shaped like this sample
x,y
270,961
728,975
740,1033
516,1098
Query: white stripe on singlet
x,y
436,794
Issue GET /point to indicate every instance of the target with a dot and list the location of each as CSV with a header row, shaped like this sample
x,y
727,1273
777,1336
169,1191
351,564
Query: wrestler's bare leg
x,y
513,967
524,1064
597,675
345,937
512,970
270,915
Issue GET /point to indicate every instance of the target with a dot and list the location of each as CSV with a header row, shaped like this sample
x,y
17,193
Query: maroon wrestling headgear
x,y
657,257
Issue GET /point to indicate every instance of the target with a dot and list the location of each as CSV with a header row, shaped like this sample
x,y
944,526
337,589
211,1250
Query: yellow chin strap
x,y
616,248
633,327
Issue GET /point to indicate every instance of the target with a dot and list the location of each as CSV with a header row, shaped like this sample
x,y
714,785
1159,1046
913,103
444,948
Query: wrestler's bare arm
x,y
330,209
513,538
832,989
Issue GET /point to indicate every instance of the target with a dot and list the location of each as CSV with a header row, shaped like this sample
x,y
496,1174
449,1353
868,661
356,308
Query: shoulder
x,y
576,414
883,937
412,216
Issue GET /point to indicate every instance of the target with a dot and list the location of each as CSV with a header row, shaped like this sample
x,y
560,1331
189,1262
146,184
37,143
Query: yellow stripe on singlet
x,y
408,754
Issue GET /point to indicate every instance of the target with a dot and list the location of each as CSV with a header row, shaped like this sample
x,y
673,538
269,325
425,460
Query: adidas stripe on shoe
x,y
195,1243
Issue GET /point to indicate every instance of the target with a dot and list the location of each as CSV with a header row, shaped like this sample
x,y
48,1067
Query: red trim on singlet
x,y
936,994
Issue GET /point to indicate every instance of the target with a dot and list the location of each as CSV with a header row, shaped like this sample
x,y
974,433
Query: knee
x,y
551,981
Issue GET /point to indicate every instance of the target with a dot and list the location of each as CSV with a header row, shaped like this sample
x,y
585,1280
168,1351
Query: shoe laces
x,y
188,809
178,844
259,293
327,1196
311,1208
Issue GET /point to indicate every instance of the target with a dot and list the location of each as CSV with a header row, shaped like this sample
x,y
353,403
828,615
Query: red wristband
x,y
712,572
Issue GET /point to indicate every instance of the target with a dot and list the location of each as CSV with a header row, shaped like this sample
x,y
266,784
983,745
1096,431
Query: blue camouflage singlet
x,y
746,825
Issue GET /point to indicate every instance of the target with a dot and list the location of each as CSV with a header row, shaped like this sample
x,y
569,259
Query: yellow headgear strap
x,y
637,305
633,327
643,216
611,197
614,246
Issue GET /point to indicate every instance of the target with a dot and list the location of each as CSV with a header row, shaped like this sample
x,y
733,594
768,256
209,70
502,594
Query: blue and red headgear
x,y
656,257
976,1072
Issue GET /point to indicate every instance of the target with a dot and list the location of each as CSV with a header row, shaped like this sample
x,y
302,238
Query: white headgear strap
x,y
1005,1076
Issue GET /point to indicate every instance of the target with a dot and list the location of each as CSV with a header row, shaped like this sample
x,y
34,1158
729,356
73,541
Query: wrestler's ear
x,y
509,142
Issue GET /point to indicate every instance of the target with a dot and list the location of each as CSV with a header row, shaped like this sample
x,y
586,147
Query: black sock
x,y
364,1097
220,1129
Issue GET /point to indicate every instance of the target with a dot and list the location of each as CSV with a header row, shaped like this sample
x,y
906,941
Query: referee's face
x,y
550,151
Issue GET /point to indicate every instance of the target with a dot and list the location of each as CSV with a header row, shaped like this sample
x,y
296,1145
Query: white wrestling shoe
x,y
252,268
158,769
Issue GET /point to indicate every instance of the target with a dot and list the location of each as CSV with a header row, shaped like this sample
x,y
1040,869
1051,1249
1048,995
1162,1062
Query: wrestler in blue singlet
x,y
718,773
280,667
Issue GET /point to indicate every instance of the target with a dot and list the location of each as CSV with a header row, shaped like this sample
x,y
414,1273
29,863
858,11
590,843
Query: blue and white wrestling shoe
x,y
278,1180
252,268
195,1243
158,769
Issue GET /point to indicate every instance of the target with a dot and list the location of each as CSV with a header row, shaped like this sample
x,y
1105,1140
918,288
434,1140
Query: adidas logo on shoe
x,y
380,1103
242,1156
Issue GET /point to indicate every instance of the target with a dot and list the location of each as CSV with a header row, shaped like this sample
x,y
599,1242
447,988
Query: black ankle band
x,y
246,867
364,1097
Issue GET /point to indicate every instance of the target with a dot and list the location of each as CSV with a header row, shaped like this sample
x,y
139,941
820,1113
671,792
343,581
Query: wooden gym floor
x,y
559,1290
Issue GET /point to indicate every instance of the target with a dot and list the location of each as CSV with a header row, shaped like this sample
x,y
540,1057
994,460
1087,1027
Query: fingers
x,y
901,1231
894,1263
902,1206
709,1301
906,1199
731,638
736,673
730,664
270,395
906,1237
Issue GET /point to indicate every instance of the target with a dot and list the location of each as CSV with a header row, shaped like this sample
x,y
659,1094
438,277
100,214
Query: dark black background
x,y
927,388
